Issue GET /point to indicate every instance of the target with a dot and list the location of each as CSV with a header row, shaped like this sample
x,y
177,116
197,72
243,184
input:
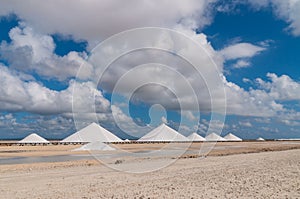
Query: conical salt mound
x,y
95,146
163,133
214,137
260,139
92,133
231,137
196,137
34,138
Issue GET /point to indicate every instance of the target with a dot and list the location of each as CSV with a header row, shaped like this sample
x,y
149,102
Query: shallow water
x,y
57,158
174,152
92,155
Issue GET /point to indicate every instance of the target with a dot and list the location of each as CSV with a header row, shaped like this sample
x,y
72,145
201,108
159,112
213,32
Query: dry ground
x,y
231,170
221,148
254,175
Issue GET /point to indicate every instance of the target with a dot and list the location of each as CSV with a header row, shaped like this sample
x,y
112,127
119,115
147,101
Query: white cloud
x,y
287,10
240,50
246,80
18,95
242,64
8,116
189,115
164,120
46,126
269,129
202,128
266,100
127,124
250,103
245,124
185,130
43,100
281,88
291,122
31,51
96,20
122,73
138,68
263,120
259,3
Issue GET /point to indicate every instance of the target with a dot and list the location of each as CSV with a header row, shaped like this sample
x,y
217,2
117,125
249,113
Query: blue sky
x,y
251,26
255,44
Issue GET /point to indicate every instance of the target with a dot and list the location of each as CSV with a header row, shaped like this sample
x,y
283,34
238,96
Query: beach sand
x,y
245,174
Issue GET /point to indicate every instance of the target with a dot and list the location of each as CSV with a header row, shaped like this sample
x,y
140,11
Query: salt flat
x,y
253,175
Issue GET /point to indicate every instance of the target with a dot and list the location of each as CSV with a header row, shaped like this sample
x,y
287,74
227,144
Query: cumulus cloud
x,y
30,51
53,127
127,124
147,72
281,87
174,94
255,102
97,20
266,99
17,95
37,51
30,96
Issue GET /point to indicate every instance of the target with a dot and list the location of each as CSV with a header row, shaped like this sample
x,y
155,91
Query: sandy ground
x,y
220,148
253,175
